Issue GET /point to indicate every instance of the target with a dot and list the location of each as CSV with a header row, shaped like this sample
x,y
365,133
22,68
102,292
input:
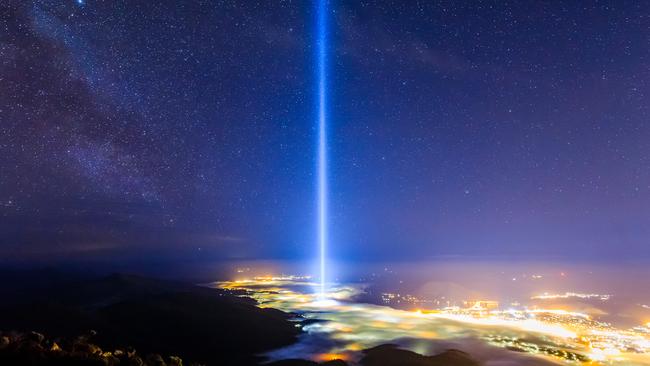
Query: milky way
x,y
185,130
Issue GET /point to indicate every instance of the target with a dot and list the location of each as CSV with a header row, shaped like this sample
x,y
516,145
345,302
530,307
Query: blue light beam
x,y
322,138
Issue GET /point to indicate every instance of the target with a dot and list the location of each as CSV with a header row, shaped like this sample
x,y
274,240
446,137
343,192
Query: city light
x,y
564,335
567,295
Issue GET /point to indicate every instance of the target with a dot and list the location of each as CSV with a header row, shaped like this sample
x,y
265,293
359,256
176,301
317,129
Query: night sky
x,y
186,130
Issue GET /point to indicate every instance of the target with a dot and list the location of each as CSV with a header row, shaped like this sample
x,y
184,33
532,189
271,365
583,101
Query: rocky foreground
x,y
34,349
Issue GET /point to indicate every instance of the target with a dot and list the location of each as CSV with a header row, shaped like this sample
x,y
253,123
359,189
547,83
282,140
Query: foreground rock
x,y
34,349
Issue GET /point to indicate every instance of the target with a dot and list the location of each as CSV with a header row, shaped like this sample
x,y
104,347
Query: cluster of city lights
x,y
556,334
567,295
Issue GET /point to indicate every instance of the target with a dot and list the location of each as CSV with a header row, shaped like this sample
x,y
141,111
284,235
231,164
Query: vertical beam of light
x,y
322,138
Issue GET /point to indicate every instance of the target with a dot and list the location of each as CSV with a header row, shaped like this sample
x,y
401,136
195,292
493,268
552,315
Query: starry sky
x,y
187,129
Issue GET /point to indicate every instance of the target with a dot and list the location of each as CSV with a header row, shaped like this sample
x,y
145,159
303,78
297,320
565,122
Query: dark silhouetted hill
x,y
390,355
299,362
196,323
